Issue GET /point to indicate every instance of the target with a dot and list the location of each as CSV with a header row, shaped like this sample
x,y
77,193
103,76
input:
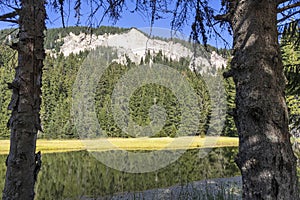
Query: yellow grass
x,y
50,146
295,139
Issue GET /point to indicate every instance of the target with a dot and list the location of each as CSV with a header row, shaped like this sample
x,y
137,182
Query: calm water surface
x,y
75,174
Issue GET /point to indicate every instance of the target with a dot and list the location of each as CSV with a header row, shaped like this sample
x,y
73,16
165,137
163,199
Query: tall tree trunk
x,y
22,163
265,157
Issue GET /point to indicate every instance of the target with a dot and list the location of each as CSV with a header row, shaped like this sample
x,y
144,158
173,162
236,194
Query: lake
x,y
72,175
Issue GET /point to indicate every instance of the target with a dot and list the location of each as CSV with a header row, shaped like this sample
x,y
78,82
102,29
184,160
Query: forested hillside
x,y
60,73
58,78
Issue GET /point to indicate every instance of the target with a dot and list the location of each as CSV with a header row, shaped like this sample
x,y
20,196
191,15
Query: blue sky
x,y
127,20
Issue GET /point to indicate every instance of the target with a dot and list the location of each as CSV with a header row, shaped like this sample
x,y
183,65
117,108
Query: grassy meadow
x,y
53,146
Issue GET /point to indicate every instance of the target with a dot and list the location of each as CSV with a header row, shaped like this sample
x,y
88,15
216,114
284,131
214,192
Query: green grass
x,y
102,144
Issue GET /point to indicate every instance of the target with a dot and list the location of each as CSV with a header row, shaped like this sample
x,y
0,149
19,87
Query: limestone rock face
x,y
135,44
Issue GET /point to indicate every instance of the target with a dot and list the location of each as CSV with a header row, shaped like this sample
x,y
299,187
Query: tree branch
x,y
225,17
279,10
7,17
287,16
10,21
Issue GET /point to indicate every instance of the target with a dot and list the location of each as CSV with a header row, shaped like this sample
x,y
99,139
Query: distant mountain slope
x,y
131,43
135,45
54,36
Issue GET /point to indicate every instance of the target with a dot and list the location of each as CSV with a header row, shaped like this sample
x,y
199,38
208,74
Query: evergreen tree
x,y
290,50
8,59
229,127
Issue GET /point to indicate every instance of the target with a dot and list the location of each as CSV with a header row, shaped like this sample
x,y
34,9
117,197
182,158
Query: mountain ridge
x,y
130,43
135,45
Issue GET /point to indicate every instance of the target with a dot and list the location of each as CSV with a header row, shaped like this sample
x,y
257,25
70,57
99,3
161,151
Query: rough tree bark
x,y
265,157
22,163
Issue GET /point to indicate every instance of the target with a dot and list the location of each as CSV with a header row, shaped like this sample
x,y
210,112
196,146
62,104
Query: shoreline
x,y
228,188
